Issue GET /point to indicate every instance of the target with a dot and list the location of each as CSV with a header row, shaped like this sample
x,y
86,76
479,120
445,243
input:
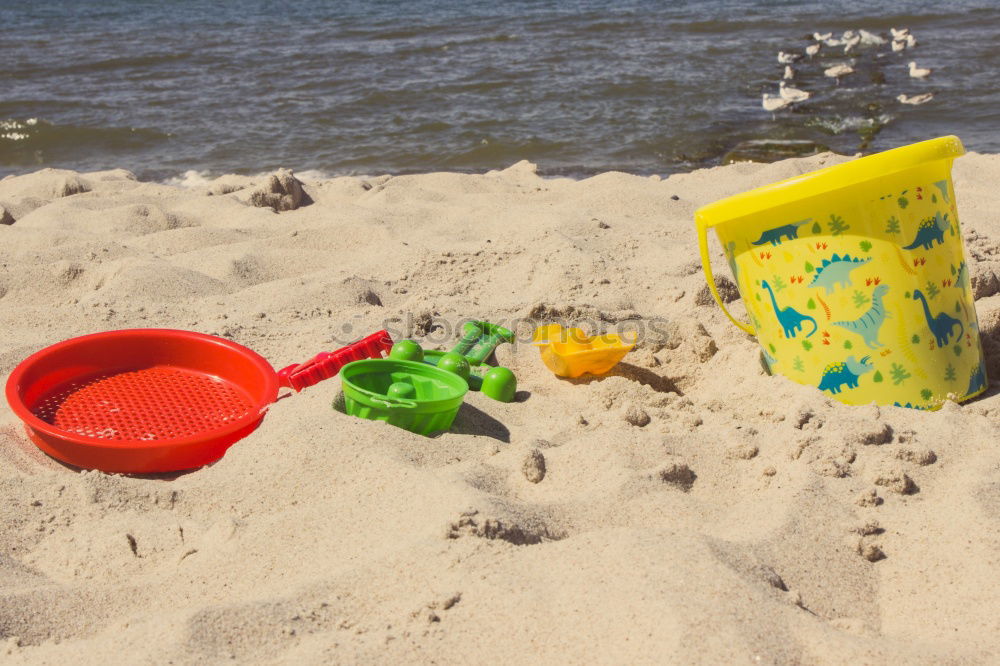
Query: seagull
x,y
923,98
848,34
792,94
870,38
813,49
789,72
898,45
788,58
833,42
773,103
899,34
822,38
911,41
919,72
851,42
838,71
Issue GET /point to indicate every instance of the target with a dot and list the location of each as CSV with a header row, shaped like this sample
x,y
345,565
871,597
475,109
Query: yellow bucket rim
x,y
828,179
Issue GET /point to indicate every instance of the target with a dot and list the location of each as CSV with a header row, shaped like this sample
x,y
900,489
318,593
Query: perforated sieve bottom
x,y
159,403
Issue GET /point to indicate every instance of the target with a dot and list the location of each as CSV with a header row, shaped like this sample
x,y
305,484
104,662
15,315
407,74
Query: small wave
x,y
194,178
190,178
841,124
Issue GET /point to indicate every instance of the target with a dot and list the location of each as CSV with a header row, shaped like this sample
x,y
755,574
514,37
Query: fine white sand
x,y
692,509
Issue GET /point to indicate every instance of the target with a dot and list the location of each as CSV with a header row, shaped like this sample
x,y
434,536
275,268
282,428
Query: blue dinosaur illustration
x,y
789,231
931,229
789,318
943,186
848,371
977,380
836,271
868,324
942,324
910,406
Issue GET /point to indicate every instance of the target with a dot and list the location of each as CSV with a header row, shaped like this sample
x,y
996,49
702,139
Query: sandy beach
x,y
692,509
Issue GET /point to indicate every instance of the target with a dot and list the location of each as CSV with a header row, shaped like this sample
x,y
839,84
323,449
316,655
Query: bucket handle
x,y
706,264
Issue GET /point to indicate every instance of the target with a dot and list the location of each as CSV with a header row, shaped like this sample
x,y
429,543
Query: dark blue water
x,y
373,87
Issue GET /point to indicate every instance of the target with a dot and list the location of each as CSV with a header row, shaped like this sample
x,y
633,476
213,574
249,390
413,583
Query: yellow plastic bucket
x,y
855,280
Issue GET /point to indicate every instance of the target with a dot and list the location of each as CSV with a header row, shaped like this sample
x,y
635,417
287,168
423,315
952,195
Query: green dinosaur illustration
x,y
836,271
868,324
941,325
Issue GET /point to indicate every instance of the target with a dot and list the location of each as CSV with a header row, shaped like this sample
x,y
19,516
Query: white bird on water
x,y
789,72
923,98
792,94
788,58
911,41
898,45
822,38
899,34
870,38
813,49
851,42
773,103
838,72
919,72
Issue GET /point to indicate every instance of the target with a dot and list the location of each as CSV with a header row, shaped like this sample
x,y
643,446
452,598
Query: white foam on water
x,y
190,178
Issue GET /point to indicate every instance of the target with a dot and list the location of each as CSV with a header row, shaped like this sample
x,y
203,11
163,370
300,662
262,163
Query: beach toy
x,y
411,395
156,400
855,278
467,359
569,352
480,339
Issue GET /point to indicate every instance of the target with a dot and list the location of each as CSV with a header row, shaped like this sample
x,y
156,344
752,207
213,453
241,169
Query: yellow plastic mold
x,y
569,352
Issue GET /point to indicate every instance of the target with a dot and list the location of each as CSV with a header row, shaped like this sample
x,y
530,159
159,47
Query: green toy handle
x,y
480,340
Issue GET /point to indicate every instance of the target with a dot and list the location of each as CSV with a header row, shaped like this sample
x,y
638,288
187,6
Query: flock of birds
x,y
851,41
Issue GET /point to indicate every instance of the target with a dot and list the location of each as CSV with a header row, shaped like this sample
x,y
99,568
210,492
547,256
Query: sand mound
x,y
281,191
686,507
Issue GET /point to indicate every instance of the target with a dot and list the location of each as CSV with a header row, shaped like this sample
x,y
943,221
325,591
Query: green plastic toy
x,y
467,359
408,394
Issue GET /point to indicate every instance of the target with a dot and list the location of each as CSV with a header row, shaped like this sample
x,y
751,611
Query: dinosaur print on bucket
x,y
930,230
941,325
774,236
844,373
868,324
790,318
836,271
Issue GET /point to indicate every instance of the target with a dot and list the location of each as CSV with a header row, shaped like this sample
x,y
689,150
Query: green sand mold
x,y
411,395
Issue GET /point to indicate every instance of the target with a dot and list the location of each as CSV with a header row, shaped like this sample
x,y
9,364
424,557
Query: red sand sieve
x,y
156,400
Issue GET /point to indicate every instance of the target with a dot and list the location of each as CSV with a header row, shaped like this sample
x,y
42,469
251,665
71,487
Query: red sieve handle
x,y
327,364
